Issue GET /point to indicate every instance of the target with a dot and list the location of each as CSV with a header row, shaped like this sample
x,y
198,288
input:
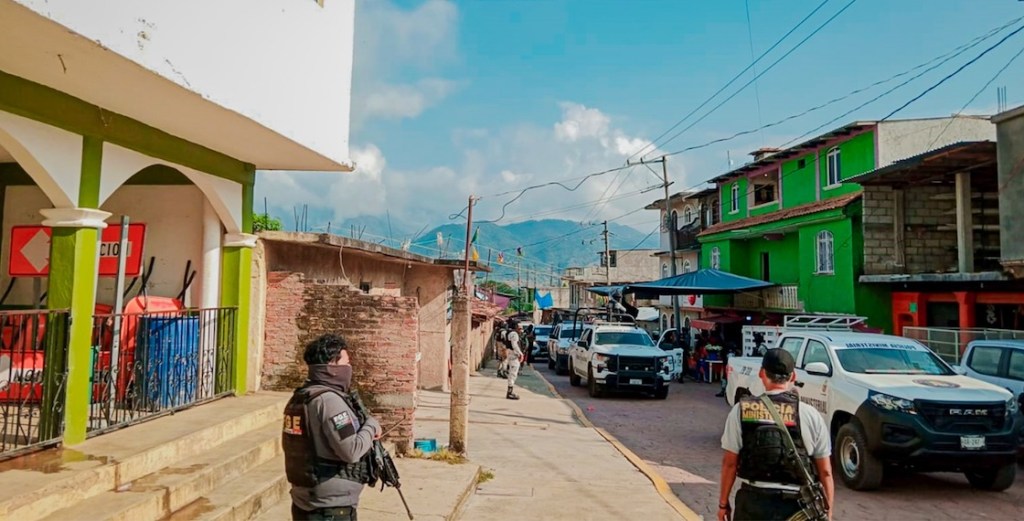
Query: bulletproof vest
x,y
764,453
303,467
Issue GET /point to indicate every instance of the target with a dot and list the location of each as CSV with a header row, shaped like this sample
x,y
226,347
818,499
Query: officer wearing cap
x,y
755,451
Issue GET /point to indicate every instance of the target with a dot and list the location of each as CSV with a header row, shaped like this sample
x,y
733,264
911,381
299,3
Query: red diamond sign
x,y
30,250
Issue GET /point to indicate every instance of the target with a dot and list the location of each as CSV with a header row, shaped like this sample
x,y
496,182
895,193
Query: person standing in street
x,y
514,357
327,446
755,451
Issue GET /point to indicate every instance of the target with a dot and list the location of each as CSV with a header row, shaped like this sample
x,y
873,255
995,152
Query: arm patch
x,y
344,425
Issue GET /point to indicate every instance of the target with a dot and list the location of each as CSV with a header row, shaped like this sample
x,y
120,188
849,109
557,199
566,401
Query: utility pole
x,y
607,269
671,235
461,313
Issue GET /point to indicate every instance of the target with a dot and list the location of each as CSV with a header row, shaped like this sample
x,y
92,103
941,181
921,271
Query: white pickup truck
x,y
616,356
890,401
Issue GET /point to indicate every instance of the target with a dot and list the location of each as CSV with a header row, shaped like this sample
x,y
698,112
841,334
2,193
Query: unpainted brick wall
x,y
926,248
381,332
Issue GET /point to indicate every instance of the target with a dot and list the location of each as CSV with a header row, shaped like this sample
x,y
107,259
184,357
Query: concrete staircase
x,y
221,461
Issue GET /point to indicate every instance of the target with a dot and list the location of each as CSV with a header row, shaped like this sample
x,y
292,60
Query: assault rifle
x,y
382,467
813,504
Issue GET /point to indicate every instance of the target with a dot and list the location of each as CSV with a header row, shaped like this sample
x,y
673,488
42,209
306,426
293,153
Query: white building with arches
x,y
160,112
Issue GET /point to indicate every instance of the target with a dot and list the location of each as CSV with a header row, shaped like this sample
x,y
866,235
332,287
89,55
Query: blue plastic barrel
x,y
425,445
168,351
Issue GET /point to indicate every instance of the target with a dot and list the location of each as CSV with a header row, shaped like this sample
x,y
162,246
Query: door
x,y
579,354
814,388
1015,371
765,266
985,362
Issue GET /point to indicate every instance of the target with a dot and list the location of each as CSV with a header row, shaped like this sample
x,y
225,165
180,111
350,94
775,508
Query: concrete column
x,y
209,293
965,302
459,421
899,228
74,263
964,223
236,270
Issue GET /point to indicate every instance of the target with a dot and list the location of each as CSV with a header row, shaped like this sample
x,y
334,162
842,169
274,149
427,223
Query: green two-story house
x,y
790,218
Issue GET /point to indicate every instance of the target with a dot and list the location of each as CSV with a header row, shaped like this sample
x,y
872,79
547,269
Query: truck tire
x,y
574,379
858,468
593,388
661,393
997,479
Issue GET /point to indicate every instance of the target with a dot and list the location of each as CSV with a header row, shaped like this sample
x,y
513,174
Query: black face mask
x,y
338,376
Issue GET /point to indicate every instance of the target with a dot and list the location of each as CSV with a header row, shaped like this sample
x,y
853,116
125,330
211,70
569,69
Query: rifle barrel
x,y
401,495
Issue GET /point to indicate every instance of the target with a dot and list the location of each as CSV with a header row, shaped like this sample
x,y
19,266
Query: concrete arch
x,y
225,197
52,157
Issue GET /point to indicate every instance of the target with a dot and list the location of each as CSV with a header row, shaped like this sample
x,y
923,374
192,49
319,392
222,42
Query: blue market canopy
x,y
700,282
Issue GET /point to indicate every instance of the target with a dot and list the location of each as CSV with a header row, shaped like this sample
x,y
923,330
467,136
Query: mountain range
x,y
548,246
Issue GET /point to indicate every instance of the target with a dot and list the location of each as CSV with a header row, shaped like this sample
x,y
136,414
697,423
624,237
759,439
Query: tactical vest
x,y
763,456
303,467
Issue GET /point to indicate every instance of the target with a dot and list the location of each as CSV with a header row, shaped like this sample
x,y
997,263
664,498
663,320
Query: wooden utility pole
x,y
461,313
671,235
607,269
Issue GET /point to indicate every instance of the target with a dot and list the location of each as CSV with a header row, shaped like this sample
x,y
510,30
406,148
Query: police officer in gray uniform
x,y
326,445
514,356
755,451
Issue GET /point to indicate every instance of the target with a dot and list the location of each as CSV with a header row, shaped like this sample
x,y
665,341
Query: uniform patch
x,y
341,420
293,425
756,412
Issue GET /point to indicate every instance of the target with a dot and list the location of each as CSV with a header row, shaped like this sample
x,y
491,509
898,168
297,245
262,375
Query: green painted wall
x,y
782,268
856,156
761,210
798,185
874,301
725,192
828,292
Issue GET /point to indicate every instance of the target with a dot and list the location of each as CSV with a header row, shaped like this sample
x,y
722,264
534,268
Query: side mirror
x,y
818,368
959,369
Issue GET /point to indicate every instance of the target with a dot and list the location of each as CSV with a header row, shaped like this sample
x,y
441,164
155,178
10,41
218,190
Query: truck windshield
x,y
542,330
625,337
569,333
891,361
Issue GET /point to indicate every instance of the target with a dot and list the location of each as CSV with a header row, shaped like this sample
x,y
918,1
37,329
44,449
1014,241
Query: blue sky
x,y
483,97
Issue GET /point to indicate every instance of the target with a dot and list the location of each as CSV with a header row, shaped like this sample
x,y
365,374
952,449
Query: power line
x,y
972,61
757,90
729,83
762,73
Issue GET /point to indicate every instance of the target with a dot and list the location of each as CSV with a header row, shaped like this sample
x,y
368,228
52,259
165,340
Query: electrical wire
x,y
729,83
757,90
762,73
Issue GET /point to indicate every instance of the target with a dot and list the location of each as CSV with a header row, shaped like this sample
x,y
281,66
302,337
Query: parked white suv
x,y
559,342
616,356
890,401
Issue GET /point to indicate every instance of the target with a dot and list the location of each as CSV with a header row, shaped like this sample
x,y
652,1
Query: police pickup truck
x,y
619,356
890,401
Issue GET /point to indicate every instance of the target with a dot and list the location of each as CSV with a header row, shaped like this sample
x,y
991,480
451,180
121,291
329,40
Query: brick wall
x,y
382,335
926,248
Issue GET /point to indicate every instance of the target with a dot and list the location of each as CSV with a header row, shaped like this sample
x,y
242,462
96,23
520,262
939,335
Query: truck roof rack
x,y
827,322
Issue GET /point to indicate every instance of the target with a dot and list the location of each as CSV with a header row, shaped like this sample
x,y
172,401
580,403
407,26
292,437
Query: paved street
x,y
680,437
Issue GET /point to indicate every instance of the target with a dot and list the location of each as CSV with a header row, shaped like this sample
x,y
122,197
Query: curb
x,y
659,482
456,513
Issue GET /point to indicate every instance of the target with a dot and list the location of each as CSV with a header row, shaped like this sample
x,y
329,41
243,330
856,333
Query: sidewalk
x,y
546,463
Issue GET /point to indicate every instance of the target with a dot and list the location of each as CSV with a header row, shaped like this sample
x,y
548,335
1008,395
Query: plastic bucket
x,y
425,445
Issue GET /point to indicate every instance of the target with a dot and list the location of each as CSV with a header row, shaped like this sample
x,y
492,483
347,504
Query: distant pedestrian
x,y
755,450
515,358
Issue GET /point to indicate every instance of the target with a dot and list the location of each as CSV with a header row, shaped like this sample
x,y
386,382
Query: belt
x,y
763,485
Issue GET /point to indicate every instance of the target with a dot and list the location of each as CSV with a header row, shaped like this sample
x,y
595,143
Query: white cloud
x,y
406,100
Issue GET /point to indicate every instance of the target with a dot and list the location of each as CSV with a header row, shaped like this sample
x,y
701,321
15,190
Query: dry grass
x,y
485,476
443,454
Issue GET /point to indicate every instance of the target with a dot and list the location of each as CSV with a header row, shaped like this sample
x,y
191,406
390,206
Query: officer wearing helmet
x,y
754,449
326,444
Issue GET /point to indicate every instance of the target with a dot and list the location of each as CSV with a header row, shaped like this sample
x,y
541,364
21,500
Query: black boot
x,y
511,395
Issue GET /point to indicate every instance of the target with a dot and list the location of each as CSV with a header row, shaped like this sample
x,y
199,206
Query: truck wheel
x,y
592,386
661,393
574,379
997,479
859,469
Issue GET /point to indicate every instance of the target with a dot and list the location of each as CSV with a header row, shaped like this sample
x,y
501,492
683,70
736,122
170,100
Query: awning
x,y
700,282
709,323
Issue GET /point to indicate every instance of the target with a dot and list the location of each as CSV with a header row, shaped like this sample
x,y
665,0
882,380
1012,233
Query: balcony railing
x,y
33,370
148,364
949,343
785,297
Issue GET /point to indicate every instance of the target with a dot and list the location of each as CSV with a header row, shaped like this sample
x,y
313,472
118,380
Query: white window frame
x,y
734,191
664,269
825,254
687,216
716,258
687,266
833,168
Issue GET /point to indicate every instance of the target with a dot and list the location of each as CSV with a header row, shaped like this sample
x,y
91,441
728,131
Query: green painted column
x,y
74,263
235,288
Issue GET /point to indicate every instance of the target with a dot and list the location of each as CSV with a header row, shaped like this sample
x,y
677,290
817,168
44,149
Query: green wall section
x,y
236,268
856,156
92,161
798,185
725,193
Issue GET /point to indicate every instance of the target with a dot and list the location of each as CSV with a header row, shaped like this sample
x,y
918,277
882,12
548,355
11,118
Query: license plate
x,y
972,442
634,381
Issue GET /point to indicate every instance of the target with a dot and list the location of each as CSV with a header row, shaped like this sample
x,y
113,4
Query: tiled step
x,y
241,499
159,494
35,486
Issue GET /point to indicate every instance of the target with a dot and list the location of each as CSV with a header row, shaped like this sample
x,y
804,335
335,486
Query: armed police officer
x,y
326,444
514,357
773,485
